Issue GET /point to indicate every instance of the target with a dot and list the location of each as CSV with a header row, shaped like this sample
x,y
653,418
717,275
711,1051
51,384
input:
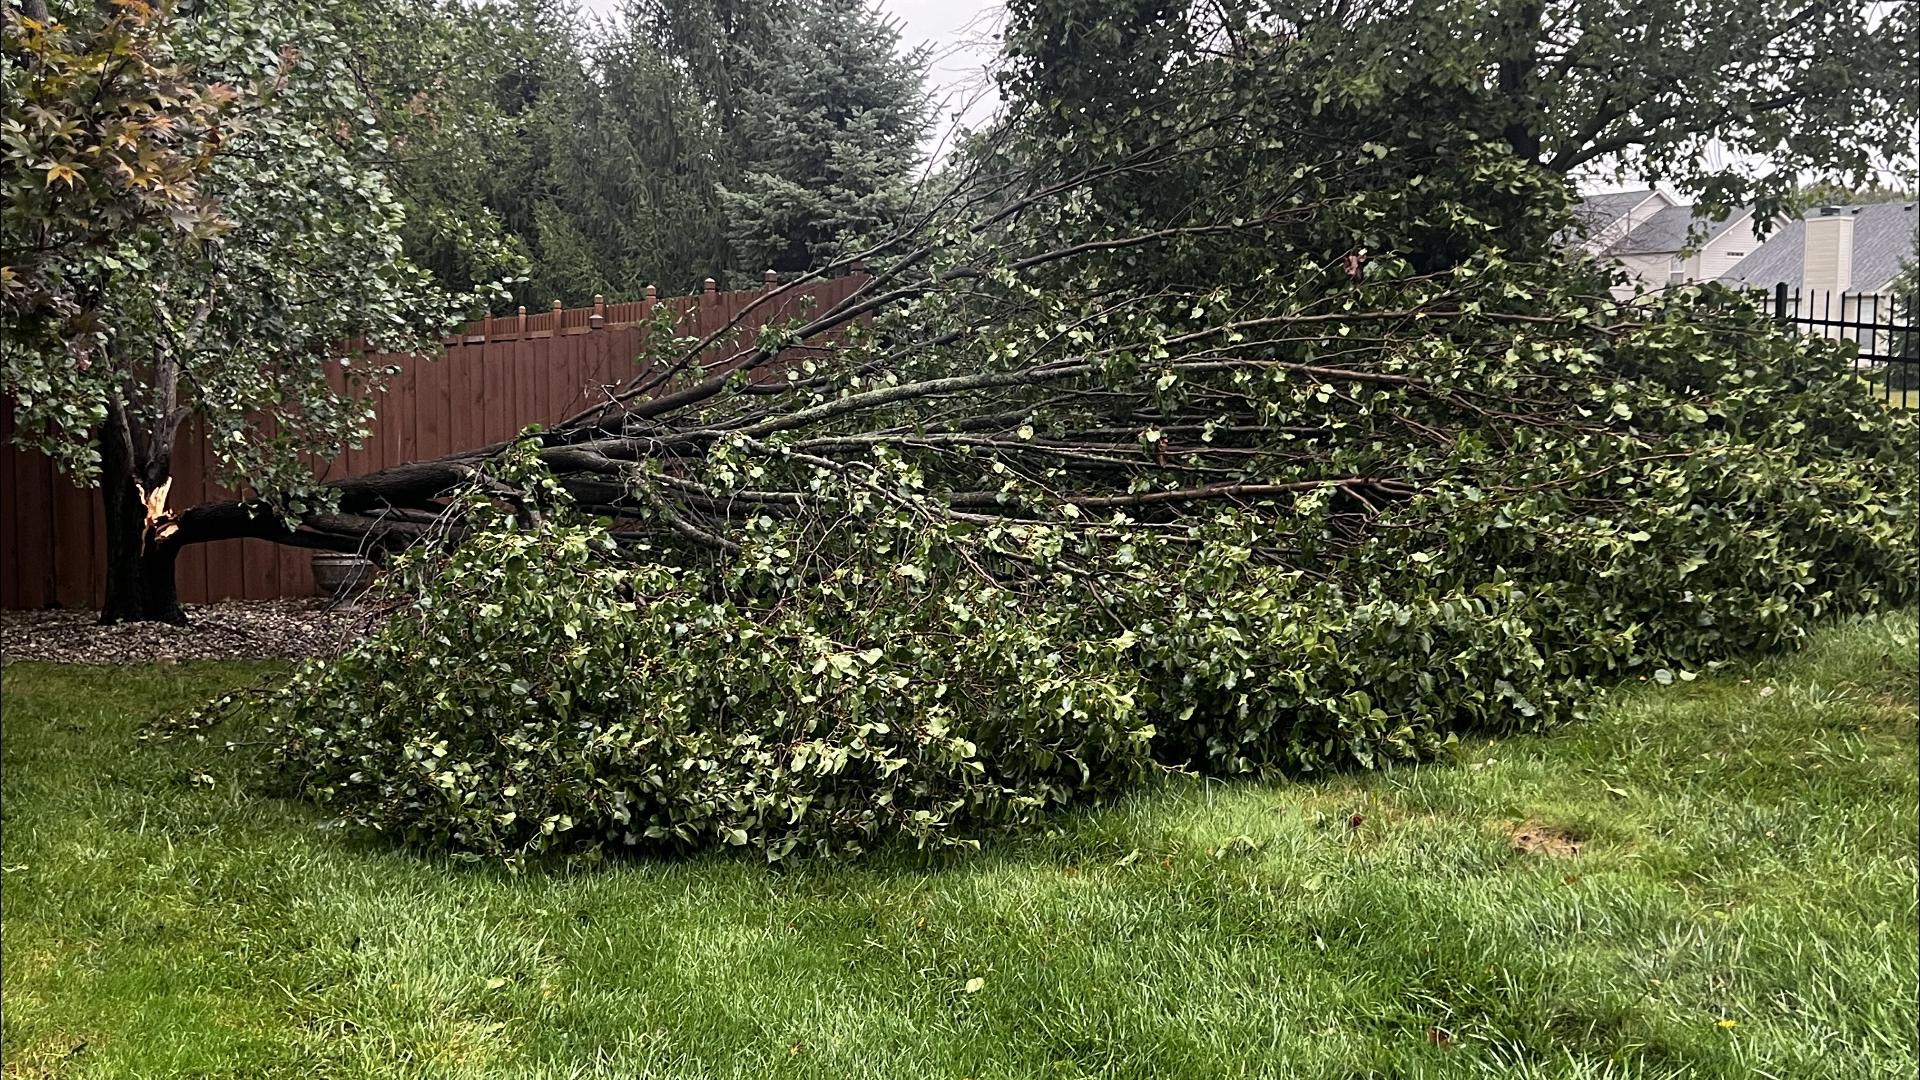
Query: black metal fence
x,y
1883,327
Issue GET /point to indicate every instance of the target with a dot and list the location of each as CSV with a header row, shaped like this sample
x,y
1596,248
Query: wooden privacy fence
x,y
497,376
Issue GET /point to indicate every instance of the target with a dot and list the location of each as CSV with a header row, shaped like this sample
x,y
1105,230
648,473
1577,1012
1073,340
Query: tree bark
x,y
1517,78
140,562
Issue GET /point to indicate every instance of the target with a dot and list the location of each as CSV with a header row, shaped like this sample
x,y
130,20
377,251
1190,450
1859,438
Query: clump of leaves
x,y
542,694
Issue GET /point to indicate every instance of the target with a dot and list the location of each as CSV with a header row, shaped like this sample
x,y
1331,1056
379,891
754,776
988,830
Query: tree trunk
x,y
140,562
1516,78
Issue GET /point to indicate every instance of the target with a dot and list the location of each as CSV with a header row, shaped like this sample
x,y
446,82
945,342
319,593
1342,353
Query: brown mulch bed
x,y
292,629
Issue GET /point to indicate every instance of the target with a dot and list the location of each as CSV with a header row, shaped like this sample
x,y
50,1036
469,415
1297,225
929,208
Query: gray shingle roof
x,y
1883,234
1668,231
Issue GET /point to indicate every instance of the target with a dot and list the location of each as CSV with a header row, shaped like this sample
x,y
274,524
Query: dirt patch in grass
x,y
50,1057
1533,838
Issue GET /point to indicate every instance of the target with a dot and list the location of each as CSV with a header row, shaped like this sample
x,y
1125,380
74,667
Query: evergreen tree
x,y
831,127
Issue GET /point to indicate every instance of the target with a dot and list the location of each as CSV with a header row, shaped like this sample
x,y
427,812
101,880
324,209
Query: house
x,y
1607,217
1677,246
1660,242
1838,265
1834,249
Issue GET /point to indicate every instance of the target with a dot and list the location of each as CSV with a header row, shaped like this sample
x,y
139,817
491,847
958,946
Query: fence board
x,y
225,577
431,409
190,568
72,531
260,569
551,377
11,510
399,413
529,383
493,390
97,558
34,552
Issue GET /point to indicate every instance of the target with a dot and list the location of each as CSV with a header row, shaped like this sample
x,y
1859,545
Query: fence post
x,y
520,321
1780,301
599,317
486,327
772,279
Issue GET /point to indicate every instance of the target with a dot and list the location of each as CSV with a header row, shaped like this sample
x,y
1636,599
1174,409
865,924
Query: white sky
x,y
962,37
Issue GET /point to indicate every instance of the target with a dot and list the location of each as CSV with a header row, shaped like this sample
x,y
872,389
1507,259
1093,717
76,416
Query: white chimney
x,y
1826,264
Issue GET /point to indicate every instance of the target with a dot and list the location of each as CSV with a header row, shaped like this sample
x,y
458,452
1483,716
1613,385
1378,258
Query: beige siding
x,y
1723,251
1650,271
1827,263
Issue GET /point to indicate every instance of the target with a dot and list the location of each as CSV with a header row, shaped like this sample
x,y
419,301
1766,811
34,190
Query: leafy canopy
x,y
233,308
1733,102
106,132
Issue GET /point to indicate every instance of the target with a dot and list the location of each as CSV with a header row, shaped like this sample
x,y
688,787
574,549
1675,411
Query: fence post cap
x,y
710,285
650,292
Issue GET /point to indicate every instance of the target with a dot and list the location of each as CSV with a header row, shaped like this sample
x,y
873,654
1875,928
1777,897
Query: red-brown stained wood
x,y
559,376
52,541
431,416
97,581
35,553
494,390
72,531
260,569
226,560
399,411
470,426
190,568
11,509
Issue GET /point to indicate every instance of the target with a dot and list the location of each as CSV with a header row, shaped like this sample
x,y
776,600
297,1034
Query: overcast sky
x,y
961,36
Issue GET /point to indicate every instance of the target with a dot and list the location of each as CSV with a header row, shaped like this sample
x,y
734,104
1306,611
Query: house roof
x,y
1600,211
1883,234
1668,231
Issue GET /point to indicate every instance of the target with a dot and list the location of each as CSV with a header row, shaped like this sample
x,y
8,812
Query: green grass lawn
x,y
1742,905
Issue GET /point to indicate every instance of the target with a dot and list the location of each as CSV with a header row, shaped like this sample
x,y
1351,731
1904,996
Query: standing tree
x,y
708,139
449,83
631,158
832,128
168,318
1731,101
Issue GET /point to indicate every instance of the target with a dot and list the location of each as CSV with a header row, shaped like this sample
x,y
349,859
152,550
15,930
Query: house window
x,y
1676,265
1736,254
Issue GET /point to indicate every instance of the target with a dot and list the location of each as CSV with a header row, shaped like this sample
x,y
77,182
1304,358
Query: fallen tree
x,y
1251,434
